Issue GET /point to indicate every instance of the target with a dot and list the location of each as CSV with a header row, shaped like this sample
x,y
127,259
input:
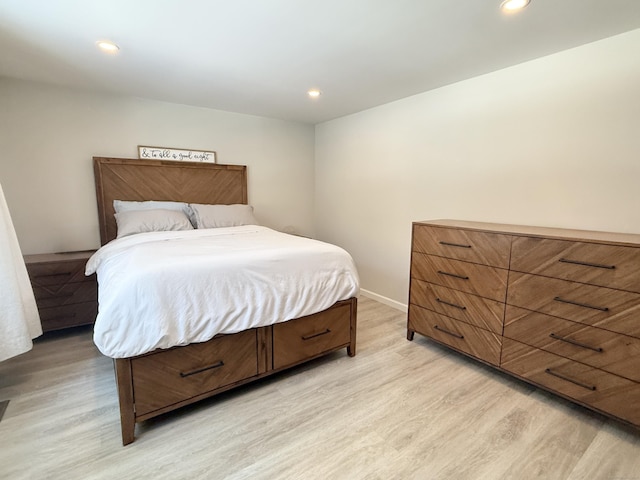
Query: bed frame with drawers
x,y
163,380
557,308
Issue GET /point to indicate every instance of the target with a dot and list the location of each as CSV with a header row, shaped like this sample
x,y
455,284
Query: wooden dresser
x,y
557,308
65,296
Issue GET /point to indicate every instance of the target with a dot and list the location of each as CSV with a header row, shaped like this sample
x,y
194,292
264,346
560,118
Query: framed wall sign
x,y
177,154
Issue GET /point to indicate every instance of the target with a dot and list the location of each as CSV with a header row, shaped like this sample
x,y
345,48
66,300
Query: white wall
x,y
48,136
552,142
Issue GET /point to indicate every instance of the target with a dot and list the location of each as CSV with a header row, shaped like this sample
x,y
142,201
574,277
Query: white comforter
x,y
163,289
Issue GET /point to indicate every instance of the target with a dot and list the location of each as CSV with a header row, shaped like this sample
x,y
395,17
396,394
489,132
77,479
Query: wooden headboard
x,y
139,180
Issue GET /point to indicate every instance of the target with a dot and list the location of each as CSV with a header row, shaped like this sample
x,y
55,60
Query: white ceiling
x,y
261,56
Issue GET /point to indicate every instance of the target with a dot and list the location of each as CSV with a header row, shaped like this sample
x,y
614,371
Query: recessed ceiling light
x,y
108,47
314,93
513,5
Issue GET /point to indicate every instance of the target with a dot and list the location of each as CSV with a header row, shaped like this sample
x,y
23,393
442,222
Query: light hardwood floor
x,y
398,410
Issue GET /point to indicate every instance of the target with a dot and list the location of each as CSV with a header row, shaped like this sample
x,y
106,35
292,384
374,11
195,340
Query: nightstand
x,y
65,296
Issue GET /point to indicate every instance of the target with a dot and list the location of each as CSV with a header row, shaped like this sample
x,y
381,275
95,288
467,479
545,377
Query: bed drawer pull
x,y
575,382
576,343
463,277
309,337
587,264
585,305
449,244
448,332
451,304
203,369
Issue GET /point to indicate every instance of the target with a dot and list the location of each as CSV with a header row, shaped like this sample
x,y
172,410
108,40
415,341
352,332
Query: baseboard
x,y
387,301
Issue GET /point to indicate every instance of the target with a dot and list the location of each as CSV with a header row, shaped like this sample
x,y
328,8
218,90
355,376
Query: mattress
x,y
166,289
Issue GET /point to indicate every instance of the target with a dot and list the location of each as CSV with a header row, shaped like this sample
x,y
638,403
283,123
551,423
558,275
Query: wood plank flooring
x,y
398,410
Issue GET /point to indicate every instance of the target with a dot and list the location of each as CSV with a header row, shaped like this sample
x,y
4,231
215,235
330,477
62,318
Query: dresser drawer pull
x,y
453,275
203,369
448,332
449,244
585,305
575,382
587,264
451,304
574,342
309,337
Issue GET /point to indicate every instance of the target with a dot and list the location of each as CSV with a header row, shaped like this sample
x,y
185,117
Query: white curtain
x,y
19,319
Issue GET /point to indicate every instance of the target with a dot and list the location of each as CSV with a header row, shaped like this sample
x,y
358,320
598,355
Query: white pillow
x,y
127,206
160,220
214,216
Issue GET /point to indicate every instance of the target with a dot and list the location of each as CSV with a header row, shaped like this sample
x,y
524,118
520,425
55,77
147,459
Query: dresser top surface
x,y
58,257
549,232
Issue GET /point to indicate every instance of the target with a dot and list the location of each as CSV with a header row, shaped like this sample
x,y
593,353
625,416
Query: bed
x,y
169,377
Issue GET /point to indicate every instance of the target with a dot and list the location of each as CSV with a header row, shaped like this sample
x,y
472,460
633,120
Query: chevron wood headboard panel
x,y
140,180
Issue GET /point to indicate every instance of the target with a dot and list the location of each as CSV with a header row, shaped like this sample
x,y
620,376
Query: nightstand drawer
x,y
605,265
609,351
174,376
59,273
601,307
472,309
66,294
298,340
588,385
477,342
55,318
488,282
468,245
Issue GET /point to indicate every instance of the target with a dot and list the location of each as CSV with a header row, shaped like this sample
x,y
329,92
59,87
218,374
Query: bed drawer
x,y
472,309
588,385
609,351
605,265
170,376
477,342
468,245
467,277
606,308
298,340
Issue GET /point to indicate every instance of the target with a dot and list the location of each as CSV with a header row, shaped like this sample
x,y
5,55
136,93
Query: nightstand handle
x,y
451,304
585,305
575,382
587,264
576,343
47,275
449,244
453,275
448,332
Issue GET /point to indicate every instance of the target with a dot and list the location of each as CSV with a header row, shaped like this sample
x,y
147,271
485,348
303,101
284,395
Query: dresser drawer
x,y
174,376
468,245
588,385
66,294
474,341
605,265
298,340
609,351
55,318
606,308
478,311
467,277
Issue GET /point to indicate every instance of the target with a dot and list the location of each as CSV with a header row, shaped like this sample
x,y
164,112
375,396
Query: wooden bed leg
x,y
124,383
351,349
410,334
